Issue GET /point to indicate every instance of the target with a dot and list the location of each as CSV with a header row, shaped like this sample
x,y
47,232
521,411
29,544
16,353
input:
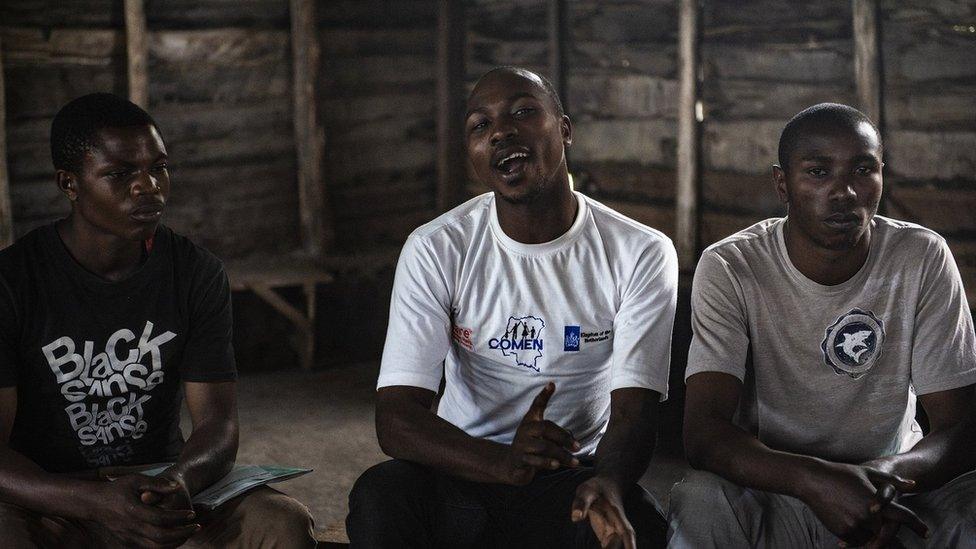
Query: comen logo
x,y
522,341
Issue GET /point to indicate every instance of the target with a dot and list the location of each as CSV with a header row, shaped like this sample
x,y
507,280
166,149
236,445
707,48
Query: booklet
x,y
239,480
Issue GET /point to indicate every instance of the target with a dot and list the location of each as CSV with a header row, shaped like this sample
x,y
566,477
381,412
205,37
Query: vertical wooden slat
x,y
450,101
689,135
137,52
317,228
867,65
6,214
867,69
557,46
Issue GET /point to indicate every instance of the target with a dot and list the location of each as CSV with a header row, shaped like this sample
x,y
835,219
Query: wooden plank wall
x,y
377,98
930,113
219,87
763,62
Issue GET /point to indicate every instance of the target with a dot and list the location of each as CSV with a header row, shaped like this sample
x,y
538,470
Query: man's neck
x,y
822,265
541,220
102,254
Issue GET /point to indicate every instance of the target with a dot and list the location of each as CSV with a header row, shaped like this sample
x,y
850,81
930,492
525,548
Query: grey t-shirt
x,y
833,371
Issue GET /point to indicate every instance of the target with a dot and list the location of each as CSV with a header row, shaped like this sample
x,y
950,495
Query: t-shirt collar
x,y
543,248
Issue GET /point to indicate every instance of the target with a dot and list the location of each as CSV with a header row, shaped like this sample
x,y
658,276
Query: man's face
x,y
123,182
832,184
515,138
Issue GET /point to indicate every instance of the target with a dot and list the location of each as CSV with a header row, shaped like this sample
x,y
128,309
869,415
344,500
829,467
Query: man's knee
x,y
283,520
701,510
386,484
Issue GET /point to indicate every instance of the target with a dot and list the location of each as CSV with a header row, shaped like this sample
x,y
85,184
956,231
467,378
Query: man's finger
x,y
581,505
544,448
538,407
885,494
904,515
165,518
160,485
885,537
540,462
555,433
879,477
617,523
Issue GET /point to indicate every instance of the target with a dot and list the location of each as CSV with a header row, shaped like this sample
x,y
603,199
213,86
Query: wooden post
x,y
556,47
450,102
6,214
689,135
137,52
867,70
867,58
317,229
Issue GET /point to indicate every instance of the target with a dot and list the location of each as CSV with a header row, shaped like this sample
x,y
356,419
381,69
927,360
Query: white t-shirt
x,y
591,311
835,370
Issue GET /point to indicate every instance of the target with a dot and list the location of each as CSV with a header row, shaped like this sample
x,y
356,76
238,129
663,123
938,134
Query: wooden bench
x,y
263,276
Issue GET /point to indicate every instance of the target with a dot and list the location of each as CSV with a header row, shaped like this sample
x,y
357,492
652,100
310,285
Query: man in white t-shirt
x,y
814,335
549,318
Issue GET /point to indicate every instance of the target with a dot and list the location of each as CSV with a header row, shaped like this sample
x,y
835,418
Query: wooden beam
x,y
137,52
557,46
6,214
686,237
317,227
867,58
450,104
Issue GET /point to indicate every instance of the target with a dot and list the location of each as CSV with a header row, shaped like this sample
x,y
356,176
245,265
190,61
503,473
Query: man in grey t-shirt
x,y
813,336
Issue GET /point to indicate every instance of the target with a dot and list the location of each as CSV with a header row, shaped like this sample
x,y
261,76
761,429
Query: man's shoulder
x,y
615,224
459,219
754,240
906,237
24,252
186,254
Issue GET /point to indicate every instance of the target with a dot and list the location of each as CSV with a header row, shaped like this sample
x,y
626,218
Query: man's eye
x,y
817,172
864,170
159,168
524,111
479,125
122,174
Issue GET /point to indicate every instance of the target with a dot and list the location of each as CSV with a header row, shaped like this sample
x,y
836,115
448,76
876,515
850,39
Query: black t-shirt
x,y
98,365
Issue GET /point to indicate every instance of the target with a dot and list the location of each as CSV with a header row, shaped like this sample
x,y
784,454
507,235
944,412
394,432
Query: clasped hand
x,y
144,511
856,503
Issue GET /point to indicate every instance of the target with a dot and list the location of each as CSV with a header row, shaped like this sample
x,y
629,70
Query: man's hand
x,y
855,503
600,500
538,444
118,507
172,495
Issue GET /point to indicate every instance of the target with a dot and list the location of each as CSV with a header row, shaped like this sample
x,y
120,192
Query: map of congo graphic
x,y
522,341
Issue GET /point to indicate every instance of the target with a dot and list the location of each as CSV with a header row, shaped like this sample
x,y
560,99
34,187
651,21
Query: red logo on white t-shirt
x,y
462,336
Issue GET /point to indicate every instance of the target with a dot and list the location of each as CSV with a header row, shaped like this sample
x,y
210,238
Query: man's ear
x,y
779,183
67,184
566,127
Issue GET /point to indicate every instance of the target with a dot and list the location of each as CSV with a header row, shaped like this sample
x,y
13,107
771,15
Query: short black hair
x,y
75,128
819,116
546,84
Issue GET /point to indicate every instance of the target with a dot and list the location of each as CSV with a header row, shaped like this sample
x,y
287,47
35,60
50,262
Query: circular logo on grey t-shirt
x,y
852,344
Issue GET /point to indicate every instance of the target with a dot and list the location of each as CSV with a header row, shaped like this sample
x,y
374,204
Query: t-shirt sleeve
x,y
209,352
418,335
8,337
944,346
720,334
644,322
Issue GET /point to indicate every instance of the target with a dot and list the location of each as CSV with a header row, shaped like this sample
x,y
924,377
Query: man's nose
x,y
843,188
504,131
145,183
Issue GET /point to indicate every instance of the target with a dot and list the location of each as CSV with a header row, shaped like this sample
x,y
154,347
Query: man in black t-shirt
x,y
104,317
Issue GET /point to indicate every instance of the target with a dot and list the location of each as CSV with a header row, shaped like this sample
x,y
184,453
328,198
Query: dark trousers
x,y
401,504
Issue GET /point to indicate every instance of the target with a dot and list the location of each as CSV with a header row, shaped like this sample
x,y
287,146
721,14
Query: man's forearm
x,y
722,448
24,483
207,456
627,446
938,458
414,433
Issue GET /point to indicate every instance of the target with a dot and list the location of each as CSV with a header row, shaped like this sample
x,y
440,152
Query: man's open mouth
x,y
512,162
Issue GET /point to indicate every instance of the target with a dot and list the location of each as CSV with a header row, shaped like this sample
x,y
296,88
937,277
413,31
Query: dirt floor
x,y
324,421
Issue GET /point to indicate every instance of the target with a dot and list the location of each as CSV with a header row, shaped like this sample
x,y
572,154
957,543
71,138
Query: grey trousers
x,y
708,511
261,518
